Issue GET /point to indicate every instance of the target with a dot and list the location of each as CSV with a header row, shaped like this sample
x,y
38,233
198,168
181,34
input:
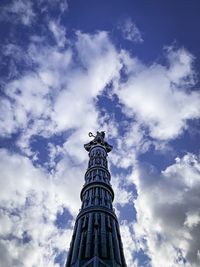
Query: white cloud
x,y
25,12
130,31
122,195
61,87
59,33
52,98
180,66
29,202
168,212
193,218
129,146
19,11
60,5
129,242
159,97
60,94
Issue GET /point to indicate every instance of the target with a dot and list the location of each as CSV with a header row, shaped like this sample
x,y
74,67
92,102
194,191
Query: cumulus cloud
x,y
29,204
63,101
129,242
130,145
42,102
168,212
159,95
58,93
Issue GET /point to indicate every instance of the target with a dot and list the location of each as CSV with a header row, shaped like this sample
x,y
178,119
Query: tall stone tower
x,y
96,241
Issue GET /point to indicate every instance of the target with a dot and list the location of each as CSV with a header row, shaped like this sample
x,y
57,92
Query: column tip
x,y
98,139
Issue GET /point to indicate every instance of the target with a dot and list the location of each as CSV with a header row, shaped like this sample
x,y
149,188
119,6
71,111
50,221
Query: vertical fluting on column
x,y
96,235
68,263
111,251
103,236
76,242
81,249
96,240
88,249
121,246
116,243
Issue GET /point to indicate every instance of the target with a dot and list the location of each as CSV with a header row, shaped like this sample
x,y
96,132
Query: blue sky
x,y
130,68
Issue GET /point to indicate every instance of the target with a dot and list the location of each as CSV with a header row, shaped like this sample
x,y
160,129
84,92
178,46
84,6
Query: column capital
x,y
98,140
